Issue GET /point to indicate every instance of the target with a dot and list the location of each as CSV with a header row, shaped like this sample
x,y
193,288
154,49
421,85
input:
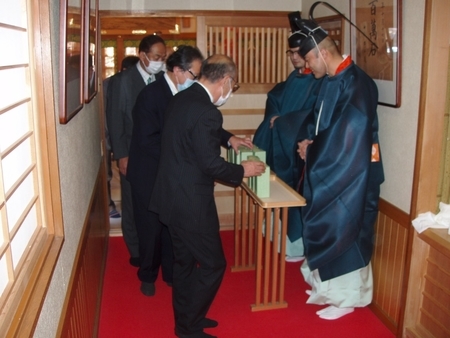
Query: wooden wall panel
x,y
82,305
430,139
389,263
428,302
435,309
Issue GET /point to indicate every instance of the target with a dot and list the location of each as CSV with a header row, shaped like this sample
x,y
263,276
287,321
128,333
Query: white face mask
x,y
153,66
222,99
185,85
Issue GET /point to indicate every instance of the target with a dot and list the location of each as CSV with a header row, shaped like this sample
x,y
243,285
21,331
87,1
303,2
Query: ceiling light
x,y
138,31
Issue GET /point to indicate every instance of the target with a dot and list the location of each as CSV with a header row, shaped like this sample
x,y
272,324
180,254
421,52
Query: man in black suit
x,y
122,94
155,246
183,195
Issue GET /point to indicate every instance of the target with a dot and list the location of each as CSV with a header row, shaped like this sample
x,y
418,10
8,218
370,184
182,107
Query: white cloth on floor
x,y
430,220
354,289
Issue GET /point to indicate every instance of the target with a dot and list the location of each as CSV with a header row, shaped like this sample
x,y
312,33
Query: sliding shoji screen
x,y
27,139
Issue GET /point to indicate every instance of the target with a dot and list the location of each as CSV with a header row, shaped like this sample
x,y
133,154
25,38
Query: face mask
x,y
185,85
153,66
221,100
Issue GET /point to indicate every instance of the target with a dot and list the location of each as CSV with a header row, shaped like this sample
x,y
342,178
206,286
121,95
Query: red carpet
x,y
125,312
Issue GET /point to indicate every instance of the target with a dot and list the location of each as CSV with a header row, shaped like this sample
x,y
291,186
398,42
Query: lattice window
x,y
257,45
259,52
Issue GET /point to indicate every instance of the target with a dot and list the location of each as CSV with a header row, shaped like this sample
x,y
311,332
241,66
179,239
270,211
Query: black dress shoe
x,y
135,261
148,289
207,323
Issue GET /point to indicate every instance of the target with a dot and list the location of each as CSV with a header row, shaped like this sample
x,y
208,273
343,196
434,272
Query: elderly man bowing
x,y
183,196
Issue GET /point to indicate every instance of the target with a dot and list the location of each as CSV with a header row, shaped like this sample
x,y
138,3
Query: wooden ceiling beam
x,y
188,13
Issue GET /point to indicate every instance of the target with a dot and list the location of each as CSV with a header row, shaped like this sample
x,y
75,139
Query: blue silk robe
x,y
291,100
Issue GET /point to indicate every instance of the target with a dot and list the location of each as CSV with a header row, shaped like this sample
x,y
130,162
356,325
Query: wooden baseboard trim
x,y
394,213
81,309
384,317
390,265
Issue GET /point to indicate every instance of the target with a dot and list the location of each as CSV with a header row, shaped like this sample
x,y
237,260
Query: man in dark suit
x,y
127,62
155,246
122,95
183,195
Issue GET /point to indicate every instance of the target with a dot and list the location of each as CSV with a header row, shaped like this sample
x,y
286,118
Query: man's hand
x,y
235,142
253,168
123,164
302,148
272,120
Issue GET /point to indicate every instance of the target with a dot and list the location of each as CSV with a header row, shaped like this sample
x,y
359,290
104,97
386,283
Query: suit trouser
x,y
155,245
128,227
109,176
198,269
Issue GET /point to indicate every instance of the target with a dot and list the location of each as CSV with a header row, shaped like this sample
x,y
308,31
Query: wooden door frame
x,y
429,145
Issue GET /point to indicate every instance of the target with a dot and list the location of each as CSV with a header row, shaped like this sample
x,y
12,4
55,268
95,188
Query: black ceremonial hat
x,y
312,34
294,17
295,39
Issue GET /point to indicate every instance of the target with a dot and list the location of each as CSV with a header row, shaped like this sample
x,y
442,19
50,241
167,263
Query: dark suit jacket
x,y
123,90
190,163
106,83
145,147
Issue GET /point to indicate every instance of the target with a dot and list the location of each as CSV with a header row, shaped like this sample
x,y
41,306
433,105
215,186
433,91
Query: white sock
x,y
323,310
333,312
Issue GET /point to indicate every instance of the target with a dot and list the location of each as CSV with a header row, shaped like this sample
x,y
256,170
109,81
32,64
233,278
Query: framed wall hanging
x,y
71,59
381,58
91,48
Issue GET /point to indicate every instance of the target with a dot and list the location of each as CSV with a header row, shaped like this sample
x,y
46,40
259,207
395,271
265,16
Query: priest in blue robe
x,y
287,106
342,178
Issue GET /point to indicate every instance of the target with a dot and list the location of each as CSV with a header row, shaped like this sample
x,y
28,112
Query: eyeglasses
x,y
291,53
194,77
236,85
